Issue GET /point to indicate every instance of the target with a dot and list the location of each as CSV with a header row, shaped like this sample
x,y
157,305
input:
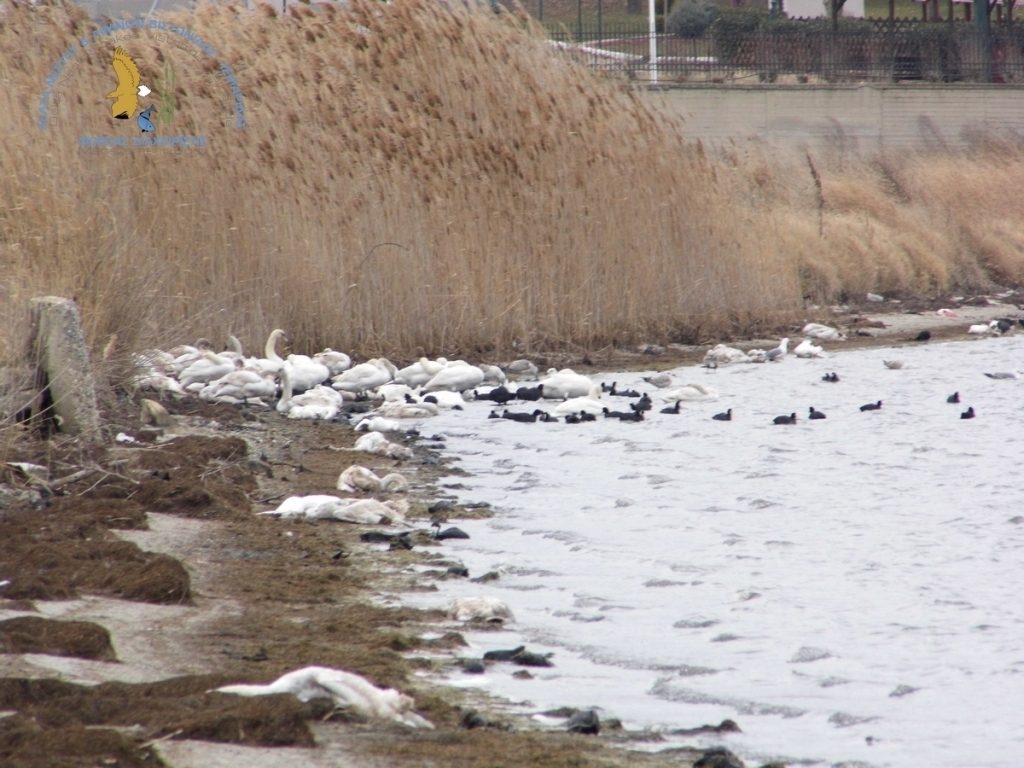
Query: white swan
x,y
823,332
446,399
457,376
317,403
234,349
493,374
326,507
690,392
238,386
185,355
522,369
376,443
378,424
660,380
420,372
403,410
359,478
362,377
206,369
345,689
576,404
722,354
479,609
590,403
157,382
565,383
392,392
807,349
305,372
336,362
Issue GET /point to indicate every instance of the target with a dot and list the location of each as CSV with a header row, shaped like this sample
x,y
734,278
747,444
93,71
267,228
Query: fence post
x,y
984,42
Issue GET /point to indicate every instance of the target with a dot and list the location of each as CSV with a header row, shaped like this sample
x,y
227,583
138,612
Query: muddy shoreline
x,y
140,587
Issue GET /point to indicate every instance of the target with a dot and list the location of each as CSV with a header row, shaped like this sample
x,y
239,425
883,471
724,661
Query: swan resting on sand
x,y
345,689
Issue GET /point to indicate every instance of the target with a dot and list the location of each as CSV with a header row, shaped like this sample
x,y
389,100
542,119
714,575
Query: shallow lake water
x,y
847,590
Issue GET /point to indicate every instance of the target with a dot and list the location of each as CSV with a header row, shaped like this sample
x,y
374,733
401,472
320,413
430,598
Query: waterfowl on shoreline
x,y
376,443
659,380
575,405
773,355
336,362
360,378
419,373
208,367
318,403
522,369
304,371
523,418
499,395
808,349
823,332
1004,375
641,405
489,609
565,383
530,394
690,393
345,689
457,376
239,386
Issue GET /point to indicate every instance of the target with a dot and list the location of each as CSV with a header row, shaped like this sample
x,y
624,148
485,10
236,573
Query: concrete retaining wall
x,y
866,118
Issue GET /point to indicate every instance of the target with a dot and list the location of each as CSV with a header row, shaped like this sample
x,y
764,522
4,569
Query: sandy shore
x,y
164,551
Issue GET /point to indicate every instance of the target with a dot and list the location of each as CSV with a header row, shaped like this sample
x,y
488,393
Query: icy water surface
x,y
847,590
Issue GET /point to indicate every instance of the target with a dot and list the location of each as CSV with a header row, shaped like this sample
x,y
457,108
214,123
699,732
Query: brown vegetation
x,y
34,634
418,177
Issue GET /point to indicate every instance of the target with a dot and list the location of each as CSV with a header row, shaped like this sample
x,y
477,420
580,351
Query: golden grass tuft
x,y
417,177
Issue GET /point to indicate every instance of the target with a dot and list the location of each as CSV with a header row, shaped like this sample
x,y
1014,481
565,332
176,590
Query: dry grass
x,y
521,198
417,178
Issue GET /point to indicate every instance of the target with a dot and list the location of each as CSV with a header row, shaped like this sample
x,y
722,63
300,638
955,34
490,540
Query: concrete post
x,y
62,360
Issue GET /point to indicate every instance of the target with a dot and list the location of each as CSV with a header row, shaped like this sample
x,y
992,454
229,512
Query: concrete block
x,y
62,358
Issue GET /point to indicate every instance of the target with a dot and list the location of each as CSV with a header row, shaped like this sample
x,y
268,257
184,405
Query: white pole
x,y
653,40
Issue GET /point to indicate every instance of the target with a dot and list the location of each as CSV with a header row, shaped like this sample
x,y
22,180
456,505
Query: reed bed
x,y
418,177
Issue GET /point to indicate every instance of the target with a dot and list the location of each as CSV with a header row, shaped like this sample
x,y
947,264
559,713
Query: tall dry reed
x,y
417,177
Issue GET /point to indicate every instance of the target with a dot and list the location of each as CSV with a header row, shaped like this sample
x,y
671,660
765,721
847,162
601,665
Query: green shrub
x,y
691,19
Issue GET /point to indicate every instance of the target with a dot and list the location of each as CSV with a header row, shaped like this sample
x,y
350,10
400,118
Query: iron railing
x,y
808,51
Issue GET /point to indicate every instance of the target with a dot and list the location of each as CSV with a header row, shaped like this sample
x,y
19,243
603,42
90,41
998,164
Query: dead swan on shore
x,y
823,332
326,507
345,689
489,609
359,478
376,443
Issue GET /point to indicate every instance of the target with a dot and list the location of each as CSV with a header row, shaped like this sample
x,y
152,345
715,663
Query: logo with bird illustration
x,y
128,92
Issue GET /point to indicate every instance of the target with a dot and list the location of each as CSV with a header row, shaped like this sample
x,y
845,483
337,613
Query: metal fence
x,y
808,51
